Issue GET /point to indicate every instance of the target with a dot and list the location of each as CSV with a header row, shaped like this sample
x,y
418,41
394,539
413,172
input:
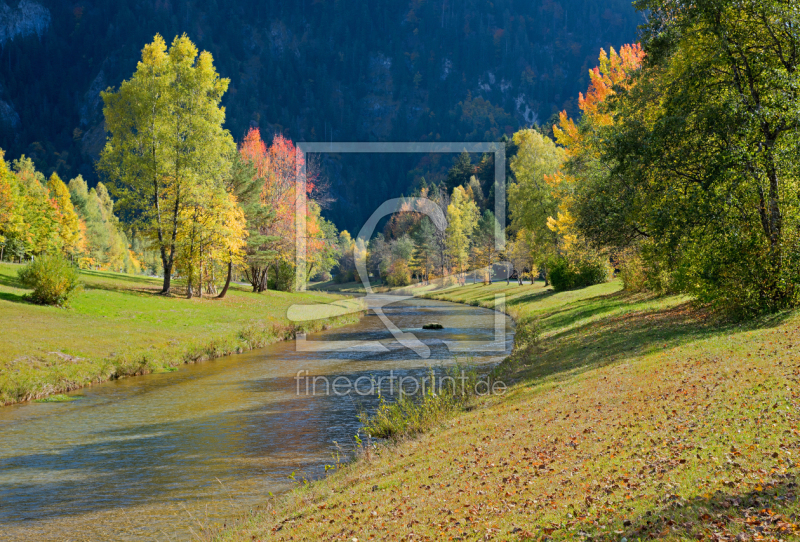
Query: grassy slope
x,y
118,327
633,418
345,287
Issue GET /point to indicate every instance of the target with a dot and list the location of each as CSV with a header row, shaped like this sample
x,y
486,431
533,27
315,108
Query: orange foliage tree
x,y
582,141
272,222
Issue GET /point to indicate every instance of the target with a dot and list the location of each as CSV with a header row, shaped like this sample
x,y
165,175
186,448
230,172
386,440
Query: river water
x,y
157,457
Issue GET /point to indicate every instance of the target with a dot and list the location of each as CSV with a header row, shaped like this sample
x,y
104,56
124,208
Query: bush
x,y
343,277
632,272
399,274
640,271
321,277
565,275
412,415
53,279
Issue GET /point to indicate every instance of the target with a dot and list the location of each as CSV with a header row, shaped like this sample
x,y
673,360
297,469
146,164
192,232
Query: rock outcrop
x,y
26,19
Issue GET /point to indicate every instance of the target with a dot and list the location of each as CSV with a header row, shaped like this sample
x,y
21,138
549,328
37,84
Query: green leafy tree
x,y
706,143
460,173
425,248
167,144
533,198
53,279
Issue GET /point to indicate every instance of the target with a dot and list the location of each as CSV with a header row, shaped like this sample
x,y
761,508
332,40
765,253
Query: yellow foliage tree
x,y
462,217
69,230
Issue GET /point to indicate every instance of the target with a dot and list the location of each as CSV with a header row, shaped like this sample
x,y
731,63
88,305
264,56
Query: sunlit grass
x,y
118,326
629,417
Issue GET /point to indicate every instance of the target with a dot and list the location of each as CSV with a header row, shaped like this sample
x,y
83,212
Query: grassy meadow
x,y
629,417
117,326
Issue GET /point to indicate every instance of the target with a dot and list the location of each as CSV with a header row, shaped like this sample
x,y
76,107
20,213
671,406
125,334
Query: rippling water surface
x,y
156,457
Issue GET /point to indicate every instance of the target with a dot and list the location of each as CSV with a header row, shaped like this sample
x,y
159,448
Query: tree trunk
x,y
253,277
165,290
200,277
227,281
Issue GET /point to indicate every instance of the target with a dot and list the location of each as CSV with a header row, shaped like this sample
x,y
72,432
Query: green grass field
x,y
629,417
345,287
118,326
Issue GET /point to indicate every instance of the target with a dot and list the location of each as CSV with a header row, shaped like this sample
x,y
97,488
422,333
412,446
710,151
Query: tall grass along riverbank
x,y
118,327
629,417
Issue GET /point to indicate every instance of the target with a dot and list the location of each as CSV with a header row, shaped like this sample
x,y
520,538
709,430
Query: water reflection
x,y
157,456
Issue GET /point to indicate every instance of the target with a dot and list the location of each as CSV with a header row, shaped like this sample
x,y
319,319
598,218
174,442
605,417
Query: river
x,y
157,457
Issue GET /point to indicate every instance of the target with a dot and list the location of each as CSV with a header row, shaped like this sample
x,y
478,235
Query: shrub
x,y
632,272
640,271
322,277
565,275
343,277
411,415
399,274
53,280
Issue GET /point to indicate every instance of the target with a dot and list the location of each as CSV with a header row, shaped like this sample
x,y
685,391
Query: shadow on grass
x,y
538,295
593,306
121,277
616,338
118,282
14,298
11,281
754,514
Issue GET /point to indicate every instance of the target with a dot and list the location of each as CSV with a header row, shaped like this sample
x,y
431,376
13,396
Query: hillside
x,y
313,69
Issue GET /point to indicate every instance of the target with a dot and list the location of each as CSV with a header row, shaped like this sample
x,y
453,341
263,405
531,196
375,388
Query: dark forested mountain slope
x,y
420,70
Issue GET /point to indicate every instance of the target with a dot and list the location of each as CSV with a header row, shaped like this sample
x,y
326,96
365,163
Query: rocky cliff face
x,y
26,19
8,115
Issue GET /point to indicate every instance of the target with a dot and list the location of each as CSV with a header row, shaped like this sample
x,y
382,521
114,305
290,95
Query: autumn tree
x,y
69,228
166,141
535,197
322,247
702,156
39,212
272,223
484,245
589,207
521,255
244,185
11,208
462,217
103,244
210,241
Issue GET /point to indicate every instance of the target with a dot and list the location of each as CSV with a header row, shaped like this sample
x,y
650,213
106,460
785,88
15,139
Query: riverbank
x,y
629,416
119,327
